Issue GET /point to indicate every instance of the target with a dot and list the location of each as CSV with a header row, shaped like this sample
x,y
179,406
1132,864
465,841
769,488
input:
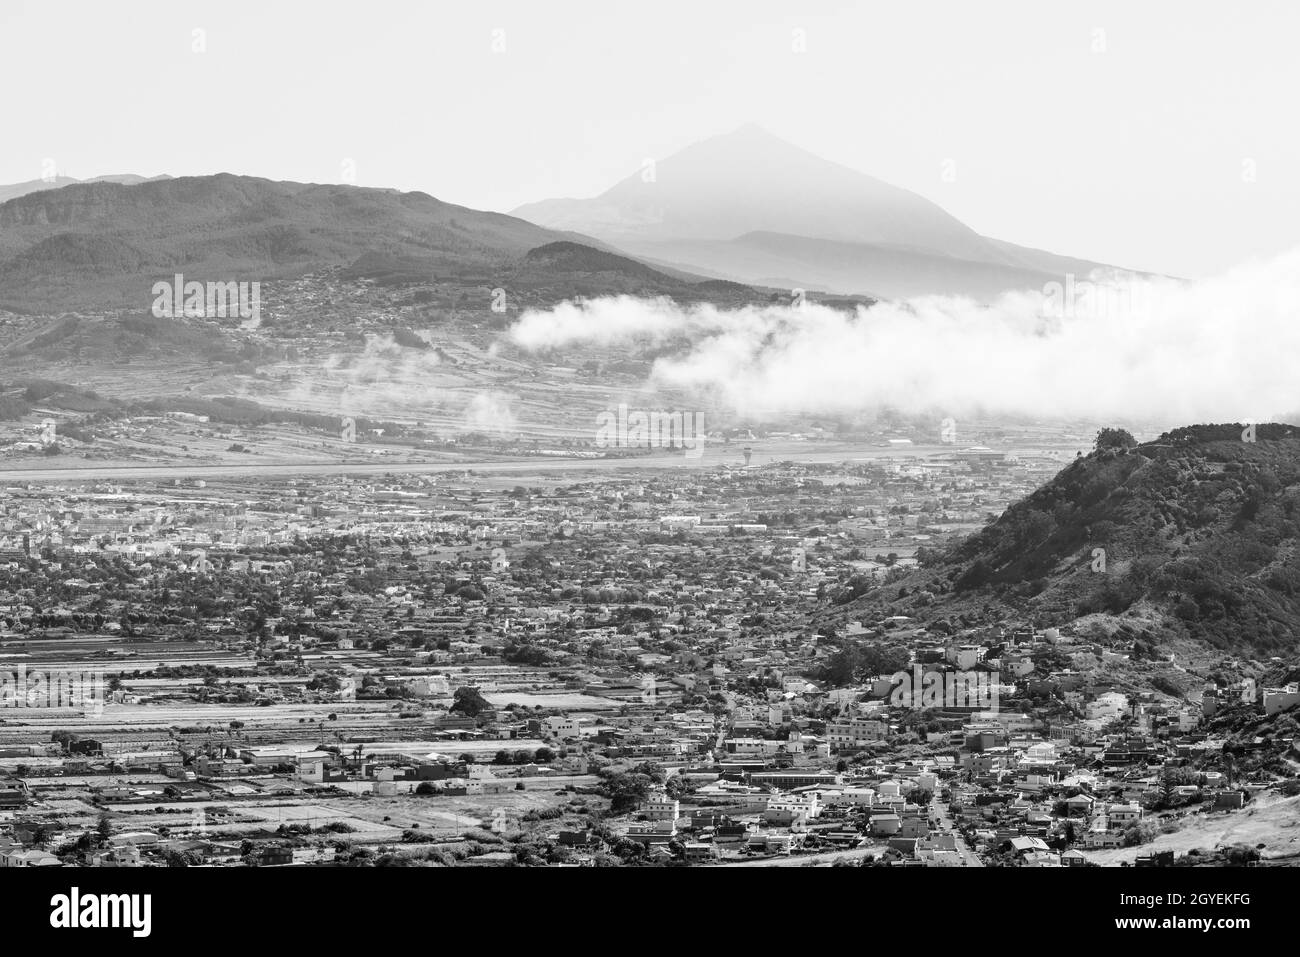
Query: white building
x,y
561,726
855,732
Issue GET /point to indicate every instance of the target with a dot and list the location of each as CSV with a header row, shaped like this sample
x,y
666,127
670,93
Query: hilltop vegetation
x,y
1194,534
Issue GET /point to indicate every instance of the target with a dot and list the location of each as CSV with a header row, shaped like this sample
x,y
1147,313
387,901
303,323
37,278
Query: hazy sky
x,y
1155,135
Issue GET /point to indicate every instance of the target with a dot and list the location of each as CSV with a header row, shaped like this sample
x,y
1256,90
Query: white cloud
x,y
1220,349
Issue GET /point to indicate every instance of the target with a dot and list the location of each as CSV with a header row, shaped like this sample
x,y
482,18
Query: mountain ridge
x,y
698,205
15,190
106,243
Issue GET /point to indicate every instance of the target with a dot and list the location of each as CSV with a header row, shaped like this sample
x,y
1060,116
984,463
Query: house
x,y
1027,845
652,832
265,757
1229,800
660,807
794,810
1078,806
15,856
699,852
1281,699
1107,707
1041,752
855,733
659,854
771,843
562,727
1017,665
1122,815
884,825
1040,859
128,856
274,855
1100,838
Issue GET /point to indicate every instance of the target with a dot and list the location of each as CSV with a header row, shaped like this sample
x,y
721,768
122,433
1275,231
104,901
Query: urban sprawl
x,y
586,670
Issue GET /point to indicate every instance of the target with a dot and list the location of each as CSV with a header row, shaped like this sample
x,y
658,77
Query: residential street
x,y
946,823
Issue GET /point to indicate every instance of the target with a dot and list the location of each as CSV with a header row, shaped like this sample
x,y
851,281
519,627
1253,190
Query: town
x,y
623,667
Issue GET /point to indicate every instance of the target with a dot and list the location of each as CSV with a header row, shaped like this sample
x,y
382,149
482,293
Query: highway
x,y
712,458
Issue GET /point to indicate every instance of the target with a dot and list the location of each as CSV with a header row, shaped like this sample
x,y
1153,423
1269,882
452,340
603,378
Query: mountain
x,y
14,190
782,260
106,243
751,207
564,270
1195,536
751,181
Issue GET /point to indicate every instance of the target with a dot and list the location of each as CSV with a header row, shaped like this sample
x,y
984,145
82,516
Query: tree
x,y
651,769
626,792
1230,767
857,661
1142,832
678,785
1114,439
1239,855
1167,785
469,702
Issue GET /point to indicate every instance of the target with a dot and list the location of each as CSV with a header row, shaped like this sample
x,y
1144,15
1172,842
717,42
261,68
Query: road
x,y
946,823
713,457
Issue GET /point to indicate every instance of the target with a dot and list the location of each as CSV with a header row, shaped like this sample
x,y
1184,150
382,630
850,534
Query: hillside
x,y
567,269
105,244
782,260
14,190
1200,532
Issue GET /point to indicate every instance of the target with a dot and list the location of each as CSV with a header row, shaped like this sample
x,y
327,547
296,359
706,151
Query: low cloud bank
x,y
1128,349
